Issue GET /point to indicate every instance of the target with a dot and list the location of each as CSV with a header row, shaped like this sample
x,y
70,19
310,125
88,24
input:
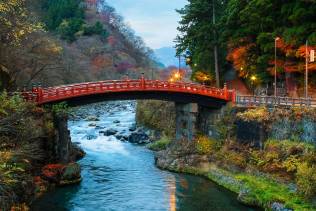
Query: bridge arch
x,y
187,97
83,93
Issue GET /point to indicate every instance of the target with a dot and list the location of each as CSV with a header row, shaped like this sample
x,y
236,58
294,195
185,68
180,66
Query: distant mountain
x,y
167,56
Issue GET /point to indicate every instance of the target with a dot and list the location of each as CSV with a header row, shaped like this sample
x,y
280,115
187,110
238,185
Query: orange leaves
x,y
100,62
239,57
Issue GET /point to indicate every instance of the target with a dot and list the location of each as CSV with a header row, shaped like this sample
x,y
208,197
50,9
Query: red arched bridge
x,y
131,89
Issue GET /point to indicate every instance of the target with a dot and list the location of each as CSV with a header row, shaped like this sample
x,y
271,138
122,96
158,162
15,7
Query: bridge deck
x,y
54,94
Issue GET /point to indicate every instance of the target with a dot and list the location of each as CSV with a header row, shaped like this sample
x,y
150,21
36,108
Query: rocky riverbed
x,y
99,116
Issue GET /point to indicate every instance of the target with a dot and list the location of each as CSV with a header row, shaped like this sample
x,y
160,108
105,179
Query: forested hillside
x,y
245,33
66,41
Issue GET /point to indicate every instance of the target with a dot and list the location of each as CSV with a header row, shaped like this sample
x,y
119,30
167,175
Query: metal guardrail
x,y
253,101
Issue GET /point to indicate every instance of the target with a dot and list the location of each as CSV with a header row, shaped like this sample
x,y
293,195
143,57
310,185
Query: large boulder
x,y
62,174
109,132
138,138
70,174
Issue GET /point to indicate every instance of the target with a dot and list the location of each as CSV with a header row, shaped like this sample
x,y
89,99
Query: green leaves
x,y
199,35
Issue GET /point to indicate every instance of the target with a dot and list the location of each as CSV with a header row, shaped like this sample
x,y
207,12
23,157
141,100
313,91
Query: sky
x,y
155,21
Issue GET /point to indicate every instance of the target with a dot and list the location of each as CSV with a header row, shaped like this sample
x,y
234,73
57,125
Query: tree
x,y
59,10
199,33
250,29
16,25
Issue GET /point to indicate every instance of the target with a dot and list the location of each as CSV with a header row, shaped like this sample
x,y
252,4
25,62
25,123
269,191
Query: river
x,y
122,176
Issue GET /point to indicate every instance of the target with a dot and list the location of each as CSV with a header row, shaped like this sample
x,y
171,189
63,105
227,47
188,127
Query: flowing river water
x,y
121,176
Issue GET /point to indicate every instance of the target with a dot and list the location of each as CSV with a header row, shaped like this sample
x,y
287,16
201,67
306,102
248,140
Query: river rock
x,y
91,137
92,125
138,138
70,174
132,128
119,136
92,118
109,132
99,127
62,174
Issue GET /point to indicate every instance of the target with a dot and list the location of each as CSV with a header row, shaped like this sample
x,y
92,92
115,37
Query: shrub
x,y
160,144
68,28
306,179
205,145
60,108
260,114
97,28
12,104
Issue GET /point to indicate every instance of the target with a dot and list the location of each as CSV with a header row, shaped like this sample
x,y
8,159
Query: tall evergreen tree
x,y
199,36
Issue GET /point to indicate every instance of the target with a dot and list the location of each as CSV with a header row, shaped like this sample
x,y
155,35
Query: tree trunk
x,y
215,49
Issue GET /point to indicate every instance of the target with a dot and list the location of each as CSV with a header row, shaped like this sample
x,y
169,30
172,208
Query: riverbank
x,y
36,153
272,167
228,168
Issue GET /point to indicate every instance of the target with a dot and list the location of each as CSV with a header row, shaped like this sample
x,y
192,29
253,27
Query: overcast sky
x,y
155,21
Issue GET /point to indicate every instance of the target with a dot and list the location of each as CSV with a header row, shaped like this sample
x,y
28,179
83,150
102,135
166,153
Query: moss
x,y
261,191
266,191
160,144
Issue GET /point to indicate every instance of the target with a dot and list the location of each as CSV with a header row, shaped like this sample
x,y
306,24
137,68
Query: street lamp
x,y
177,76
275,65
253,79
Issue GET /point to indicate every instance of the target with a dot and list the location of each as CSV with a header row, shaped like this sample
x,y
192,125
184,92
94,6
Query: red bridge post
x,y
142,81
225,91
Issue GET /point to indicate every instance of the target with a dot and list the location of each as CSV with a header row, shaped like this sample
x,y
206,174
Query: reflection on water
x,y
122,176
172,190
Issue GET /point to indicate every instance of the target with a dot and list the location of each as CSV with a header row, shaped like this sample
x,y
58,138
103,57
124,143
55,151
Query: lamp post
x,y
275,65
306,70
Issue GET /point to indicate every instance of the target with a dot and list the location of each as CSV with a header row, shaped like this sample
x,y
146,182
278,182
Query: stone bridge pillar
x,y
186,116
207,118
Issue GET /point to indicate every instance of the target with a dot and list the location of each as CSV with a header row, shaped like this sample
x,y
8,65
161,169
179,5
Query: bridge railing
x,y
249,101
44,95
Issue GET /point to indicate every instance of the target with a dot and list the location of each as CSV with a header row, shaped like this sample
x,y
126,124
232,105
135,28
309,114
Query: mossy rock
x,y
71,172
